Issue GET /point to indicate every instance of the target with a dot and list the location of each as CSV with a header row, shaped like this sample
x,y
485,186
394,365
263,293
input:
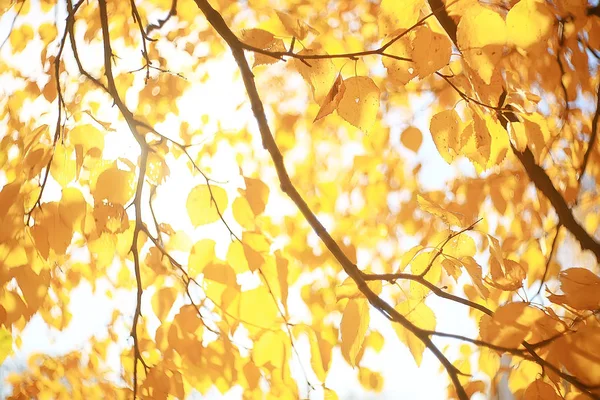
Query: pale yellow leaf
x,y
205,204
162,301
445,130
353,327
421,316
202,254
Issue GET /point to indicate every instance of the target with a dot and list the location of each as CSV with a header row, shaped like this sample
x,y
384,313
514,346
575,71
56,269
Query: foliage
x,y
131,160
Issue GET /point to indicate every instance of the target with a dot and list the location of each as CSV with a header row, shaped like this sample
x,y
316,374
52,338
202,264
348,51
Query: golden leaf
x,y
420,315
205,204
445,132
332,100
412,138
355,322
295,27
359,104
162,301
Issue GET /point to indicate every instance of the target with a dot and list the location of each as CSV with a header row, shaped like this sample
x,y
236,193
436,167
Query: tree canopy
x,y
267,194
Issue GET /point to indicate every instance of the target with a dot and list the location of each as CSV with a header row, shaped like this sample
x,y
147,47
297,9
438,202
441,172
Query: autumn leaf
x,y
449,217
431,51
481,37
445,131
412,138
422,316
580,287
332,100
528,22
157,158
295,27
206,204
263,40
359,104
353,327
318,73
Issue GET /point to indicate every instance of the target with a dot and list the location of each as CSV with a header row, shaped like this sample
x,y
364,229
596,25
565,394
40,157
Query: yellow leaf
x,y
205,204
257,194
114,185
319,73
431,51
400,72
449,217
242,213
412,138
329,394
506,276
294,26
396,15
162,302
445,131
202,254
63,167
20,37
355,322
578,352
221,273
420,315
269,348
474,271
47,32
5,343
481,35
263,40
254,258
316,359
521,377
360,102
510,324
349,290
540,390
529,22
332,100
581,288
421,263
258,308
72,208
370,380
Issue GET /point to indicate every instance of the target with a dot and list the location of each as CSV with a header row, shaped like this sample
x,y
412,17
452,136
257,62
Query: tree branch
x,y
215,19
565,217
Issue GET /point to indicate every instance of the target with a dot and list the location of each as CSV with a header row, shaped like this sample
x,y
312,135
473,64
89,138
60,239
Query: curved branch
x,y
542,182
215,19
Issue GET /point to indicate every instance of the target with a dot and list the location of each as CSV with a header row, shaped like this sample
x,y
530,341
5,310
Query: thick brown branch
x,y
593,135
543,183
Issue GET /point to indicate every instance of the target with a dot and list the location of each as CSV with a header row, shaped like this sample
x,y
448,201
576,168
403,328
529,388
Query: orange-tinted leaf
x,y
353,327
331,101
540,390
431,51
412,138
359,104
295,27
581,288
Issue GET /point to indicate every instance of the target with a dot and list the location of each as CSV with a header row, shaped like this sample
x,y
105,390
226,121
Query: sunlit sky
x,y
218,97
